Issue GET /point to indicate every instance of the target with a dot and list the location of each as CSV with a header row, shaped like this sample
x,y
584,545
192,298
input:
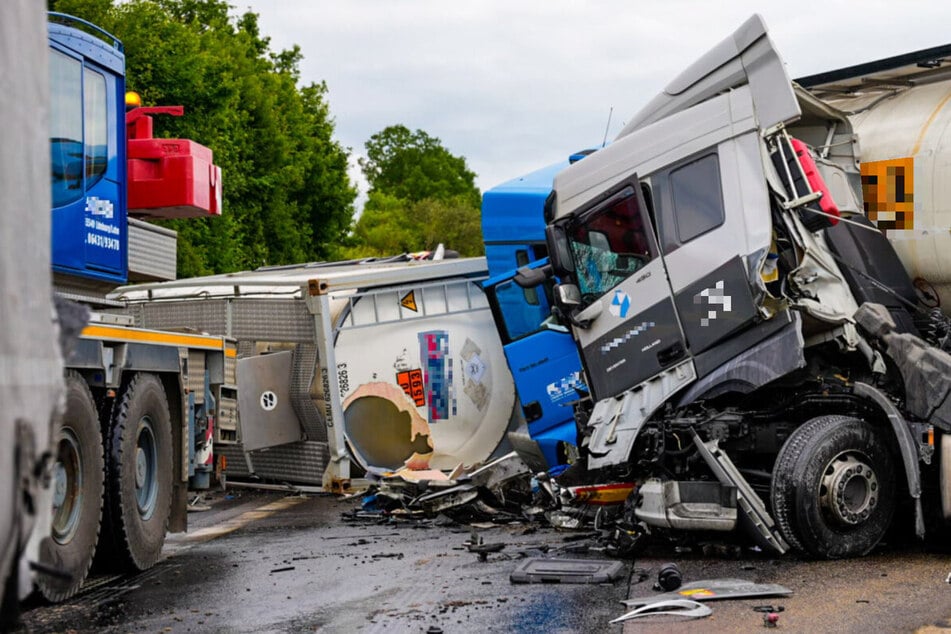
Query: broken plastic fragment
x,y
675,607
562,520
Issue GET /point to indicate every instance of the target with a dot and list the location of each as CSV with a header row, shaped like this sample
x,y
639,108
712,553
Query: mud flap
x,y
759,521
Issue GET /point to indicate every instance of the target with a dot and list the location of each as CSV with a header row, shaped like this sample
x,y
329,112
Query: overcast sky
x,y
515,85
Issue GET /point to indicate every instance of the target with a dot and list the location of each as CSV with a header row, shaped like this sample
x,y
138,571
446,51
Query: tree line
x,y
287,195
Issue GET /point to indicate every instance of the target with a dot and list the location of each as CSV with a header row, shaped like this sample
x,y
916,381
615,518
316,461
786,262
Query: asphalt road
x,y
266,562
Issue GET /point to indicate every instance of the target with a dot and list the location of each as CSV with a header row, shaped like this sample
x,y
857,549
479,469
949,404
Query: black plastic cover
x,y
536,570
868,254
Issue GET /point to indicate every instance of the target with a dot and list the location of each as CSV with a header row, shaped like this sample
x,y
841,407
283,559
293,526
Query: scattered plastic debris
x,y
685,608
770,614
536,570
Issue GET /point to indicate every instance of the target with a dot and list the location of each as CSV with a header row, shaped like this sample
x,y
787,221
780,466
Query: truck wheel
x,y
833,489
140,472
77,494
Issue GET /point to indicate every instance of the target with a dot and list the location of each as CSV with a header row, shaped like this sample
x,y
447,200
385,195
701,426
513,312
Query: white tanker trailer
x,y
387,362
899,110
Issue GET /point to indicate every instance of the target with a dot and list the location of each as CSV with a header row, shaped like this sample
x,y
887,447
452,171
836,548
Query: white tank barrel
x,y
416,356
900,109
425,377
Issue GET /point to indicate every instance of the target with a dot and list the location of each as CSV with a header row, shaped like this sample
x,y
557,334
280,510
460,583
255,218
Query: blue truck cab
x,y
87,151
541,353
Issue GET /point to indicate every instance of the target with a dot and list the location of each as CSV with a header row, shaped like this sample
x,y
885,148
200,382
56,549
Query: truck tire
x,y
77,494
833,487
140,473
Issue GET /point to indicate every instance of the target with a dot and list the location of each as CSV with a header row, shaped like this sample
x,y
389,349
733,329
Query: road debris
x,y
770,614
483,550
542,570
669,578
685,608
715,590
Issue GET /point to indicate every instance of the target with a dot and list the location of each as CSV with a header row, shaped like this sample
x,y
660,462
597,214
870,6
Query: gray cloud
x,y
515,85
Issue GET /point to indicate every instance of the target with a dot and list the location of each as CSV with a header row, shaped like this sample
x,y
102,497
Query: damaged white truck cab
x,y
714,259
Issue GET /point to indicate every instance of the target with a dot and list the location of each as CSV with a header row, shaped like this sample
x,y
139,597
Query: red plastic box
x,y
169,178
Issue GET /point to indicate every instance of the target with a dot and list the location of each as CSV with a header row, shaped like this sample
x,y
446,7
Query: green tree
x,y
414,166
287,195
420,195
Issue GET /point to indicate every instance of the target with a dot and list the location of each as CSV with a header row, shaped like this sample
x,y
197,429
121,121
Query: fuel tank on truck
x,y
382,362
900,110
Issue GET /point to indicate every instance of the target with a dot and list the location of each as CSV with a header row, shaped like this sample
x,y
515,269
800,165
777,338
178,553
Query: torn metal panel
x,y
760,523
617,421
499,471
446,499
715,590
491,478
384,427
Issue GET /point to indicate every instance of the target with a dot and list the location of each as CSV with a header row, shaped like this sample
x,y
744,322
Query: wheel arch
x,y
907,446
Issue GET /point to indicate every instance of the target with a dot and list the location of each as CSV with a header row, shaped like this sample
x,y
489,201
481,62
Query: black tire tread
x,y
56,590
126,553
788,473
783,489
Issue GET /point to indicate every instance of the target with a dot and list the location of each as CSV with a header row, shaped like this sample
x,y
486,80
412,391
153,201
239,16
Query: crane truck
x,y
142,407
756,353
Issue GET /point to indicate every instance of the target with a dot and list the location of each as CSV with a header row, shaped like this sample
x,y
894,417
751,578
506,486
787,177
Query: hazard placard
x,y
412,383
409,301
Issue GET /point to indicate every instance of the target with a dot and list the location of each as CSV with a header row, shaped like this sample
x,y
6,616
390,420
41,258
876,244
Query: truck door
x,y
542,358
630,327
89,222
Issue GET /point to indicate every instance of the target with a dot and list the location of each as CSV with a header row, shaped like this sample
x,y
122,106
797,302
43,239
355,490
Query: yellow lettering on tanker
x,y
888,188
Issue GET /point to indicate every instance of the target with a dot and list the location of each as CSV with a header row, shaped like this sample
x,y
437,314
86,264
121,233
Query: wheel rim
x,y
67,487
146,466
849,489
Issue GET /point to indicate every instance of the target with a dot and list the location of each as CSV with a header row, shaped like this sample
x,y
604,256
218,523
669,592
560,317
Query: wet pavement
x,y
268,562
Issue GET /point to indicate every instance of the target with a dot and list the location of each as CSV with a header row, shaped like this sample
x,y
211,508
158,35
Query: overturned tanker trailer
x,y
378,363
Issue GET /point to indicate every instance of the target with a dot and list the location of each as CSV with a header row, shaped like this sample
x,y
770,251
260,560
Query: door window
x,y
94,100
610,243
698,201
521,314
66,128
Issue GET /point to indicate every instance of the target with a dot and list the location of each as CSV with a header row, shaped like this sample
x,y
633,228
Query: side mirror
x,y
559,251
530,278
567,301
568,295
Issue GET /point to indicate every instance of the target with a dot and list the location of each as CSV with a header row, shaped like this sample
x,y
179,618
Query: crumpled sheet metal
x,y
431,491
